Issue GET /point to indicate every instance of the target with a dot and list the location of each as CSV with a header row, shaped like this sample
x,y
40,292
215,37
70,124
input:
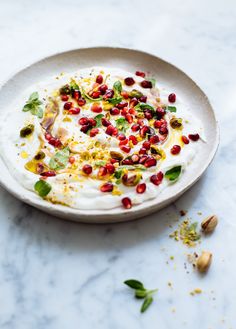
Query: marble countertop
x,y
57,274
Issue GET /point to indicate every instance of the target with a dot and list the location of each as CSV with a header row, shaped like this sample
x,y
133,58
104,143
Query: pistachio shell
x,y
209,224
204,261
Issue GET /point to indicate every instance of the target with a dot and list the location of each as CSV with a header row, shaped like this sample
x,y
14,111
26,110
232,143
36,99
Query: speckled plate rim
x,y
135,59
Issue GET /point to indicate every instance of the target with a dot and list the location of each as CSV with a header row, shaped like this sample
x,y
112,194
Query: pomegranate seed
x,y
157,178
160,112
143,99
172,98
185,139
92,122
142,151
55,142
105,122
114,111
87,169
127,162
143,159
122,105
154,139
148,114
102,171
125,148
143,131
83,121
113,160
68,105
125,94
133,102
64,98
110,168
140,74
132,111
96,108
147,145
150,162
157,123
127,203
141,188
115,131
99,79
107,187
96,94
76,94
163,130
175,149
194,137
93,132
74,110
133,139
48,173
135,158
124,142
124,111
103,89
121,137
85,128
108,94
71,159
129,118
140,122
109,130
146,84
129,81
48,136
81,101
135,127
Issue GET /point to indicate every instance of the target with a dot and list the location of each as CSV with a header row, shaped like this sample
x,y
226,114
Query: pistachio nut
x,y
204,261
209,224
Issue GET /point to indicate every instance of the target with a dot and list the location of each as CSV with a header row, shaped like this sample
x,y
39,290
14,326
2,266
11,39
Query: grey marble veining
x,y
57,274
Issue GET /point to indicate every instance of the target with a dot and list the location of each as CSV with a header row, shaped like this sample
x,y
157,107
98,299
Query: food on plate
x,y
100,138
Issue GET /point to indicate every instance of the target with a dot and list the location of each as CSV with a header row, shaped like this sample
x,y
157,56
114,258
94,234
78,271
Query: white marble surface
x,y
56,274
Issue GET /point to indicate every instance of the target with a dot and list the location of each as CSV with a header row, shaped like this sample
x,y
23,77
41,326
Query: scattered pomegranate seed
x,y
115,131
140,122
85,128
157,178
142,151
129,81
48,173
109,130
132,111
74,110
124,111
64,98
135,127
157,124
125,94
143,131
154,139
103,89
55,142
146,84
83,121
127,203
81,101
194,137
114,160
92,122
127,162
124,142
150,162
133,102
140,74
76,94
96,108
147,145
133,139
105,122
87,169
148,114
125,148
96,94
102,171
143,159
68,105
99,79
93,132
110,168
141,188
172,98
108,94
129,118
122,105
121,137
71,159
135,158
185,139
160,112
175,149
143,99
163,130
107,187
114,111
48,136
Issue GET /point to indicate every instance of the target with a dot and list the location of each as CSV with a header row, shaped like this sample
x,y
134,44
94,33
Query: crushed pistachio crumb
x,y
187,233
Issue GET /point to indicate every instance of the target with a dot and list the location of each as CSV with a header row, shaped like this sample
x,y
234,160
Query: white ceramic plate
x,y
131,60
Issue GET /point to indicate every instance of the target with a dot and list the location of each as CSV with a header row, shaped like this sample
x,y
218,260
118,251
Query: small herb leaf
x,y
117,87
98,119
144,106
34,105
140,293
146,303
60,159
134,284
173,173
42,188
171,108
115,100
122,125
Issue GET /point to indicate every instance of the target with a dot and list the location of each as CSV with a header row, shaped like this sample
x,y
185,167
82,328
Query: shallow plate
x,y
130,60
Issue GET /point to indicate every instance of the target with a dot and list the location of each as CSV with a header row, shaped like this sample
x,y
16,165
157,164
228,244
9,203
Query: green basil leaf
x,y
134,284
34,96
171,108
98,119
134,167
115,100
122,124
173,173
141,293
27,107
60,159
42,188
144,106
117,87
73,85
34,105
147,302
